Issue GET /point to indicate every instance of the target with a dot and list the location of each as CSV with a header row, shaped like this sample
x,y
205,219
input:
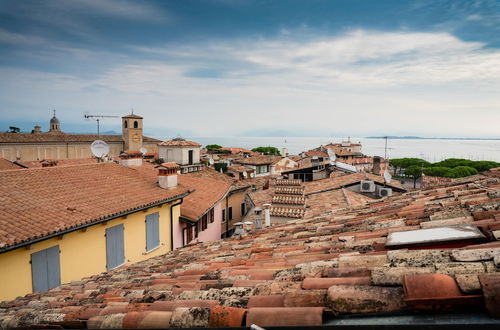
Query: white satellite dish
x,y
143,150
387,176
99,148
331,154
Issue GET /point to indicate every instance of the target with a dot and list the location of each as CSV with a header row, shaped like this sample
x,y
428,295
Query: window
x,y
45,269
211,216
136,124
204,223
230,213
262,169
243,209
223,215
152,231
196,229
125,124
189,234
115,248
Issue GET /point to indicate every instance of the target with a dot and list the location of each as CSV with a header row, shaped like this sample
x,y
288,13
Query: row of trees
x,y
448,168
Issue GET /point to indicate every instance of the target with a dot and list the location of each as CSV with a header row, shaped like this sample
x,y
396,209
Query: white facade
x,y
179,154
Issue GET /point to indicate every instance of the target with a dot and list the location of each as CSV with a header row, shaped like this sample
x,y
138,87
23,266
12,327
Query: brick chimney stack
x,y
167,175
131,158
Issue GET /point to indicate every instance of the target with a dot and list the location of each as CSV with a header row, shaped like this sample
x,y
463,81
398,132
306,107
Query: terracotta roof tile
x,y
179,143
334,259
60,198
62,137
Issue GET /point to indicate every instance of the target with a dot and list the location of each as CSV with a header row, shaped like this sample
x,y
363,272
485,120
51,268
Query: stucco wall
x,y
83,253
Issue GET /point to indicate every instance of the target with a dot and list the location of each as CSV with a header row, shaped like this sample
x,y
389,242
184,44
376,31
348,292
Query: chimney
x,y
267,215
258,218
284,152
167,175
37,129
238,229
376,165
248,226
131,158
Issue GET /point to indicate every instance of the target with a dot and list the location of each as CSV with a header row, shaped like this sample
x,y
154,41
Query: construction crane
x,y
97,118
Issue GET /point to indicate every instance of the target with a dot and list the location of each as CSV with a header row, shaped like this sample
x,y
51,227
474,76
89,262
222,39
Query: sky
x,y
254,68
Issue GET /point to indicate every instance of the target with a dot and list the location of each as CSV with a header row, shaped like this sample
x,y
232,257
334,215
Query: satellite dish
x,y
331,154
99,148
387,176
143,150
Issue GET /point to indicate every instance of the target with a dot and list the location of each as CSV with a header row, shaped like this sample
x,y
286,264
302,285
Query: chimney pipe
x,y
131,158
267,215
37,129
258,218
167,175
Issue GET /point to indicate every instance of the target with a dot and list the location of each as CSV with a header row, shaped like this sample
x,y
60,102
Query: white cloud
x,y
359,84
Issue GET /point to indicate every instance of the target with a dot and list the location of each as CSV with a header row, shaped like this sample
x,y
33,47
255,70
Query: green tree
x,y
483,165
267,151
461,171
404,163
219,166
414,172
213,147
437,171
14,129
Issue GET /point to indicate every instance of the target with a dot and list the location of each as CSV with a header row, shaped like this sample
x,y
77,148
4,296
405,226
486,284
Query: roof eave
x,y
115,216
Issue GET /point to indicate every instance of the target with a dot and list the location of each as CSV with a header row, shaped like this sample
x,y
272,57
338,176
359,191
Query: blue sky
x,y
240,67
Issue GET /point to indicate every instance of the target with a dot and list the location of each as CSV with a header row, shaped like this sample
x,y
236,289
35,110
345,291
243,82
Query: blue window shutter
x,y
115,253
152,231
45,269
53,267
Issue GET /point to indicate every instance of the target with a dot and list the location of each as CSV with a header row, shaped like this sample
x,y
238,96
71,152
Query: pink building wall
x,y
212,233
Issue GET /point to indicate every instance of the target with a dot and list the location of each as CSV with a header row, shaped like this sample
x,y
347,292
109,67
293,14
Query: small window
x,y
223,215
136,124
125,124
211,216
189,234
243,209
152,231
204,223
230,213
196,229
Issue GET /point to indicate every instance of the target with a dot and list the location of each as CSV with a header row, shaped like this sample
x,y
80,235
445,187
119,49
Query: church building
x,y
55,144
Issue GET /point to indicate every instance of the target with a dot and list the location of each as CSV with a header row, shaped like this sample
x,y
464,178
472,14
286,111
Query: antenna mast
x,y
97,118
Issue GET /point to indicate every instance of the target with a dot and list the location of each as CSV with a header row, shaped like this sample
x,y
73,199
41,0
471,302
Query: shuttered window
x,y
115,250
152,231
45,269
243,209
230,213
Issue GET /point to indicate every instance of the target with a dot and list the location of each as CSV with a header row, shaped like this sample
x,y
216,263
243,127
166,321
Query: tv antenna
x,y
97,118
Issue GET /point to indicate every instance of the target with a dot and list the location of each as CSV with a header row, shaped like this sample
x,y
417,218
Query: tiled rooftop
x,y
179,143
257,160
304,272
335,182
38,202
61,137
8,165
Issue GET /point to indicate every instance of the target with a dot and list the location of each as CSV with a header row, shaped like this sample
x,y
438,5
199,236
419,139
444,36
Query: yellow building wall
x,y
83,253
234,201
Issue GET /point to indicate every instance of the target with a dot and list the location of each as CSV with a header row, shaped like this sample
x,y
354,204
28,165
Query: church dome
x,y
54,120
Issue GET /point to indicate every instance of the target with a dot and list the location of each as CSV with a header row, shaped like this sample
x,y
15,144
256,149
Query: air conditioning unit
x,y
367,186
384,192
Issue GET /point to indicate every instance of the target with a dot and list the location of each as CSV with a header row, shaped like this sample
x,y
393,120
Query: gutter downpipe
x,y
172,224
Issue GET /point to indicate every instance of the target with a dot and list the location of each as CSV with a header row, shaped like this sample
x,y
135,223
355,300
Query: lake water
x,y
430,150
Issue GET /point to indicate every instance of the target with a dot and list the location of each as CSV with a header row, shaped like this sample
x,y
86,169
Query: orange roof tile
x,y
50,200
8,165
179,142
61,137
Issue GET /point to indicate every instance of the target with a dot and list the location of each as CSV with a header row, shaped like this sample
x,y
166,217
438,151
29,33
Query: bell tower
x,y
54,124
132,132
